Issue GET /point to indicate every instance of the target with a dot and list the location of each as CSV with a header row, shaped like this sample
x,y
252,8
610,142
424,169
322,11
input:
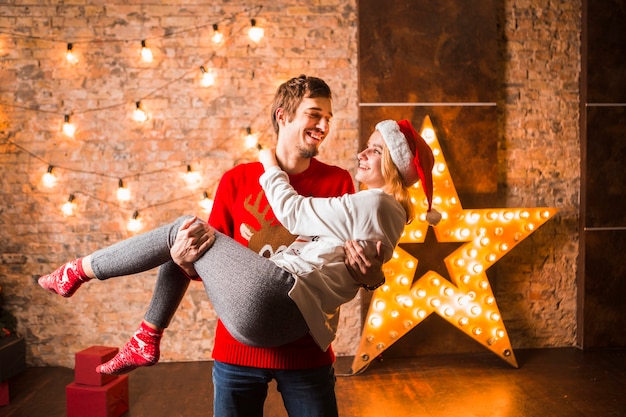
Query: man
x,y
301,116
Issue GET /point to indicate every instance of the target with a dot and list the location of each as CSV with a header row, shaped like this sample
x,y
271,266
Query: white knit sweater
x,y
316,258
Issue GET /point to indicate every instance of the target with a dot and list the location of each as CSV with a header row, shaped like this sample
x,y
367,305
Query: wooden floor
x,y
548,383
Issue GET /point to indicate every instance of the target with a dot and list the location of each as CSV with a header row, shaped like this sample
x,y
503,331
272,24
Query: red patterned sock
x,y
66,279
141,350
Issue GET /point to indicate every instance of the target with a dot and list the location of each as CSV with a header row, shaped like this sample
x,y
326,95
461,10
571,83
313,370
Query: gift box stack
x,y
93,394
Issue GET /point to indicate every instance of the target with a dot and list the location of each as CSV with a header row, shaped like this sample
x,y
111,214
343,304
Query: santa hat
x,y
413,158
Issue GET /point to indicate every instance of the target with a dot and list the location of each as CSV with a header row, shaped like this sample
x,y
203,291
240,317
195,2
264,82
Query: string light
x,y
68,128
206,203
49,179
251,139
208,77
217,37
134,224
255,33
69,206
71,57
192,178
123,193
139,115
146,53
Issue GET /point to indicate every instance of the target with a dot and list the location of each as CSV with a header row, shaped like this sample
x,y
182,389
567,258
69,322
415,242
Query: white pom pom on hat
x,y
413,158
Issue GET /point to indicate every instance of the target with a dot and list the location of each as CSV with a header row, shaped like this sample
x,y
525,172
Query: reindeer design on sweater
x,y
272,237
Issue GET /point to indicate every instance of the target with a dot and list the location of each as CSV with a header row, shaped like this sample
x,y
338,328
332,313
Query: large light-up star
x,y
467,300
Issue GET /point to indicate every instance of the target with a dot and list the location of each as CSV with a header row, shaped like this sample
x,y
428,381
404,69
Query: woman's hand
x,y
268,157
194,237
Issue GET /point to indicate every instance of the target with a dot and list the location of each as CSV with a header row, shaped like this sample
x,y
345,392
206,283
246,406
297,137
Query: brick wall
x,y
204,127
539,165
188,124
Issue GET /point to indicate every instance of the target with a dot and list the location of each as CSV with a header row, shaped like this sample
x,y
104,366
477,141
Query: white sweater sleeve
x,y
308,215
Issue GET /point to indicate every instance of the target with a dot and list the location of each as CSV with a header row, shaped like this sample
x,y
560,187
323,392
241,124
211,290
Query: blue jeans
x,y
240,391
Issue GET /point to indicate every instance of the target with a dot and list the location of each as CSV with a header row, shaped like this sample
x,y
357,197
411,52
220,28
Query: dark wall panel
x,y
606,166
602,279
606,54
427,51
605,309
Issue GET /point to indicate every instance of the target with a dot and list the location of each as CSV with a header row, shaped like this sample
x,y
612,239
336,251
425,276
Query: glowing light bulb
x,y
428,133
375,321
406,302
123,193
68,128
146,53
134,224
217,37
208,77
404,280
139,115
192,178
255,33
71,57
462,300
206,203
69,206
251,139
49,179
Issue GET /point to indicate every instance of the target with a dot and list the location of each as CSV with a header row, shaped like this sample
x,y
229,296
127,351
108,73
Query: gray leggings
x,y
249,292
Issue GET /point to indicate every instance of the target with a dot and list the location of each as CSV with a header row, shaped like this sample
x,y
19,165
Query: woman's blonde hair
x,y
394,184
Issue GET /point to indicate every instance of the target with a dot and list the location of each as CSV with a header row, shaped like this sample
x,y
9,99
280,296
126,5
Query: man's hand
x,y
194,237
365,262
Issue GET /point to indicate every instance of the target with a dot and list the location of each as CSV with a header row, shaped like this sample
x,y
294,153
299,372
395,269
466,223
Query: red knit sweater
x,y
240,207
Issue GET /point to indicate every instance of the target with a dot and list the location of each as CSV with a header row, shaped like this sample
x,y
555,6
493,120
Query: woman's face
x,y
370,162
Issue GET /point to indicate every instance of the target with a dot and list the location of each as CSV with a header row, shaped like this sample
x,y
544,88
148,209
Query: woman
x,y
299,289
